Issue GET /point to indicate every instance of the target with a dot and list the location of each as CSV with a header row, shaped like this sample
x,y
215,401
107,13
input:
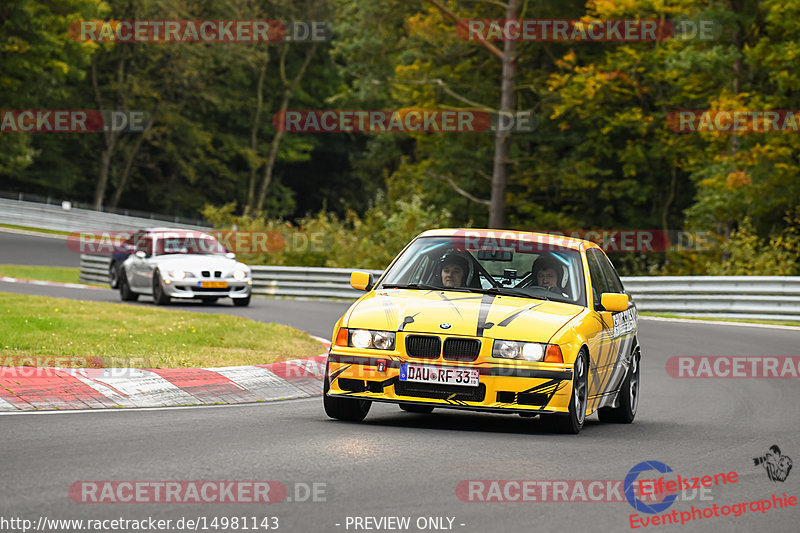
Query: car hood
x,y
460,313
197,262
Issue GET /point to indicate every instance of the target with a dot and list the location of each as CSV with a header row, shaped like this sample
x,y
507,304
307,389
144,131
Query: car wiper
x,y
423,286
507,291
409,286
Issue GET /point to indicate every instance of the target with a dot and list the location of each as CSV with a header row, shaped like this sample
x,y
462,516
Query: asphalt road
x,y
27,249
409,465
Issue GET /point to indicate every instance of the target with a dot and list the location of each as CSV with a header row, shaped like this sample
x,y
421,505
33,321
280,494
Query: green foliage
x,y
602,156
749,254
325,240
38,61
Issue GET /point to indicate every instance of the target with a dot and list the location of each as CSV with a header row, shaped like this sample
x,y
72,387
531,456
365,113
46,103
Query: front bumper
x,y
503,387
189,289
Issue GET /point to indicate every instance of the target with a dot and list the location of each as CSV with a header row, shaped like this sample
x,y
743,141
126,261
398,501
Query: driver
x,y
548,272
454,270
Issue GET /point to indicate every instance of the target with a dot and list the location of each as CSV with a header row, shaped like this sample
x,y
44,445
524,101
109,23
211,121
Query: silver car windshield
x,y
187,243
515,268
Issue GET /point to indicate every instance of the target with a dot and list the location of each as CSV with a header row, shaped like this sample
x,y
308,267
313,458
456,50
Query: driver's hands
x,y
558,291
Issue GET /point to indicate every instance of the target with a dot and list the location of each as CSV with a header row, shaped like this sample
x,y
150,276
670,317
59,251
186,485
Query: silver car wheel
x,y
580,389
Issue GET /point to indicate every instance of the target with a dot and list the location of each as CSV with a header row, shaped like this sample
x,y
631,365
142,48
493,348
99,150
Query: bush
x,y
748,254
325,240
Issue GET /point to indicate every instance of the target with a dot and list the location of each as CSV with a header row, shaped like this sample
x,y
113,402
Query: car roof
x,y
160,232
499,234
163,229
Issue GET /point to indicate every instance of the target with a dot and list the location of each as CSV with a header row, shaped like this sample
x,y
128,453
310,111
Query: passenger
x,y
454,270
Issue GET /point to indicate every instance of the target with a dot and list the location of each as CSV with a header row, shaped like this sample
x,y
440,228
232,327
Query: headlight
x,y
379,340
528,351
361,338
239,275
177,274
383,340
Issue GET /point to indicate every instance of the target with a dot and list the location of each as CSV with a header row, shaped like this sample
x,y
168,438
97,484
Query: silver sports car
x,y
184,264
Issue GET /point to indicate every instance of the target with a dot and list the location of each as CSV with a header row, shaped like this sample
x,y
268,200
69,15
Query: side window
x,y
145,245
612,279
599,285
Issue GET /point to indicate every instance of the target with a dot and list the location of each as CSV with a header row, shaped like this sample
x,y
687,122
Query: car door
x,y
624,332
141,270
602,349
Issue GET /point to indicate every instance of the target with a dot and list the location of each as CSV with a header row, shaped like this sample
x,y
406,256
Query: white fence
x,y
56,217
758,297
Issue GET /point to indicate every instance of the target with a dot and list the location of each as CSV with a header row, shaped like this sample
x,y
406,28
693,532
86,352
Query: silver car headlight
x,y
177,274
528,351
240,275
379,340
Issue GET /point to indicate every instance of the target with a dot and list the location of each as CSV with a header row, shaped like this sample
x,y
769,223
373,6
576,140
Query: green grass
x,y
44,273
744,320
41,328
37,230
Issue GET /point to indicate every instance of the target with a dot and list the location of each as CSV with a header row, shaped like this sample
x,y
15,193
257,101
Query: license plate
x,y
445,375
214,284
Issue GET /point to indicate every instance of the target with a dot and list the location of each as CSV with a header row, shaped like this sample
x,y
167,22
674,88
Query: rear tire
x,y
159,296
572,423
628,397
414,408
241,302
125,292
348,409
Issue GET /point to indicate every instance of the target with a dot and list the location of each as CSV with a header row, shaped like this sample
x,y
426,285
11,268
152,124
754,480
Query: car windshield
x,y
187,243
513,267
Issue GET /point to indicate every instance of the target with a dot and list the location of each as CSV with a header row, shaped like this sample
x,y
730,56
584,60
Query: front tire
x,y
348,409
241,302
125,292
159,296
628,397
414,408
113,275
573,422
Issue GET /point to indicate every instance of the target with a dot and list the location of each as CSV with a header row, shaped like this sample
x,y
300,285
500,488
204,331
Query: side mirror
x,y
141,255
614,302
230,255
361,281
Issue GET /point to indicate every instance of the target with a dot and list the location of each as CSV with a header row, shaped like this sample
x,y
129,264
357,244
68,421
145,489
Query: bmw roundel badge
x,y
445,325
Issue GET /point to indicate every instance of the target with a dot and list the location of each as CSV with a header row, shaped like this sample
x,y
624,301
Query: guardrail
x,y
280,281
754,297
59,217
762,297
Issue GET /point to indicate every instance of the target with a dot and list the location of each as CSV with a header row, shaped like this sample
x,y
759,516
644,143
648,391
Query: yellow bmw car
x,y
495,321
